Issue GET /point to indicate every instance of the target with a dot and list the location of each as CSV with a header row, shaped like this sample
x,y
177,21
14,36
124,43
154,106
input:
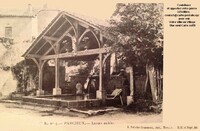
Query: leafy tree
x,y
139,28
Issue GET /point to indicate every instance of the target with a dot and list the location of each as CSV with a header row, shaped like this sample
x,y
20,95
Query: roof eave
x,y
102,31
35,41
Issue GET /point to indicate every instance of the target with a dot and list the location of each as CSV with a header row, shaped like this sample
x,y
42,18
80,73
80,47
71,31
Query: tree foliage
x,y
139,28
21,72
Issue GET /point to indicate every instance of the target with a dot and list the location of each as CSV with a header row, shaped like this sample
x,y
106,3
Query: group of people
x,y
90,89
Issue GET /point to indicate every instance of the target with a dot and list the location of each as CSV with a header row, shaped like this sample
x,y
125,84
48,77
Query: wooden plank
x,y
94,112
77,54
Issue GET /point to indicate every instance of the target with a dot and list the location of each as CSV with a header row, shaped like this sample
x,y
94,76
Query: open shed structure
x,y
70,37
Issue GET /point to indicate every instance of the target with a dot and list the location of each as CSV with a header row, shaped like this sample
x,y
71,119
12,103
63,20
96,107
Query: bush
x,y
22,72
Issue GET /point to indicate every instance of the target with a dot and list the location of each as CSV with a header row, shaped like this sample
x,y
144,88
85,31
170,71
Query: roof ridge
x,y
92,20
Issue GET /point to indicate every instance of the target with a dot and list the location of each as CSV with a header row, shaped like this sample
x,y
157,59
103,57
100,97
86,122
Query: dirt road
x,y
15,117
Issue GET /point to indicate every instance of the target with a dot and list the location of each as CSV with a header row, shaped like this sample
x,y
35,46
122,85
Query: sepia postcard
x,y
99,65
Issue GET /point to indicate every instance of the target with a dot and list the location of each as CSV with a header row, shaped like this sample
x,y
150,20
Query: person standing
x,y
126,89
93,87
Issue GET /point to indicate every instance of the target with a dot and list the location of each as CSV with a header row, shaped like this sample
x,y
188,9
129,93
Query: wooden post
x,y
100,71
107,72
101,94
147,79
130,98
57,90
77,35
40,78
113,63
131,82
57,73
40,69
152,80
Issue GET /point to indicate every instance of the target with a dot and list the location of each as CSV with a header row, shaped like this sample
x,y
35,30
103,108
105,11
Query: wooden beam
x,y
82,21
83,25
105,57
52,35
33,56
69,35
85,32
98,41
78,54
62,49
45,32
50,38
101,40
66,32
75,41
82,35
74,28
36,62
52,45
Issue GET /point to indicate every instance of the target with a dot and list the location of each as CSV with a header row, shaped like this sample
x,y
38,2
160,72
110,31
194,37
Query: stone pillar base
x,y
56,91
39,92
130,100
101,94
